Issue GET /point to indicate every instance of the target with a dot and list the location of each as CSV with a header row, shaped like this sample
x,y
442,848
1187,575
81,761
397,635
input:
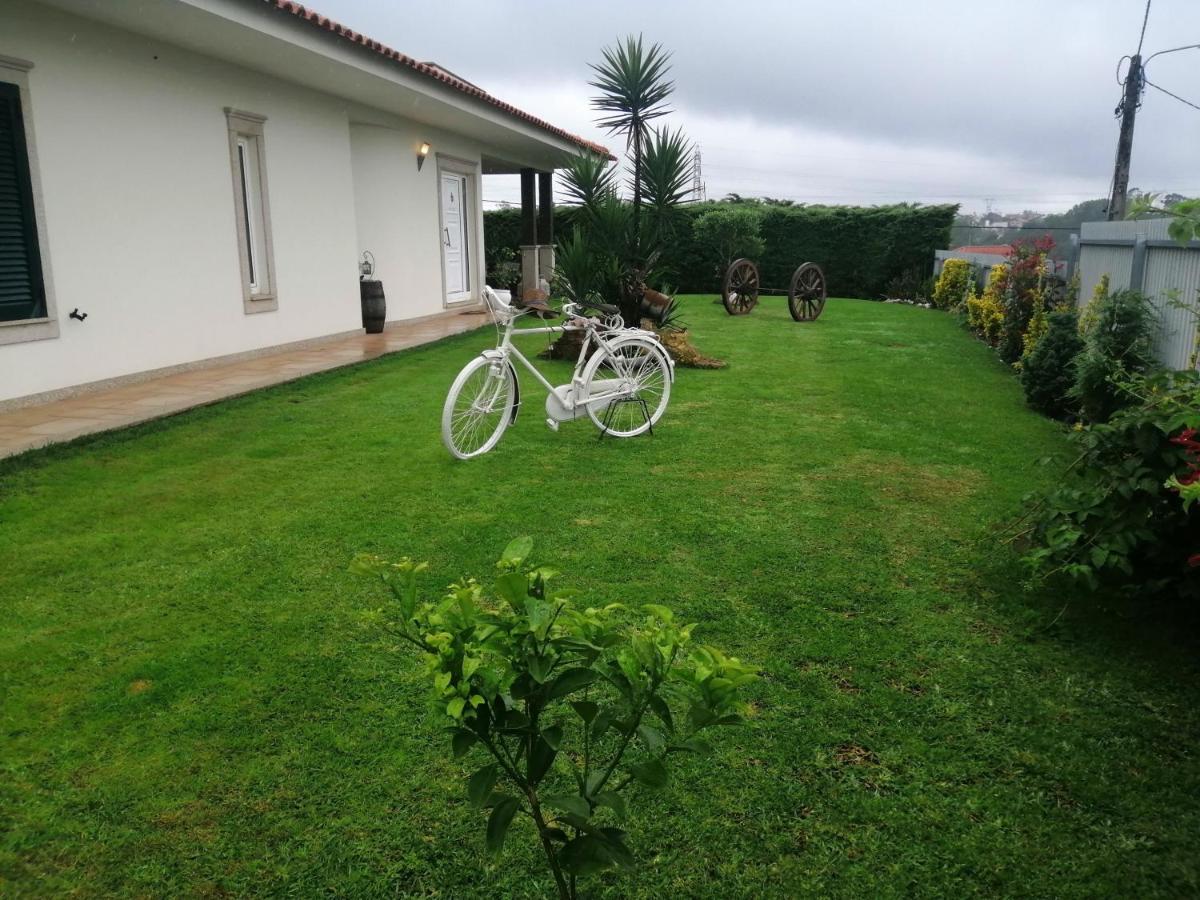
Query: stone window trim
x,y
242,124
16,71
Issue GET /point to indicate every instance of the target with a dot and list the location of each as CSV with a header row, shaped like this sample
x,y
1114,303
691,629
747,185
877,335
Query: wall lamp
x,y
422,152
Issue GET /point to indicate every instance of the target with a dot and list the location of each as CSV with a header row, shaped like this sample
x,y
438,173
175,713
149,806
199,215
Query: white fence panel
x,y
1168,272
1140,255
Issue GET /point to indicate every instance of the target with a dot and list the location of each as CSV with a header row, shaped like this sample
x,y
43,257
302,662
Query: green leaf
x,y
569,803
658,611
615,841
513,587
517,551
540,760
663,711
585,855
498,822
455,707
553,735
601,724
613,801
479,786
586,709
695,745
651,737
570,681
593,782
539,668
462,741
651,773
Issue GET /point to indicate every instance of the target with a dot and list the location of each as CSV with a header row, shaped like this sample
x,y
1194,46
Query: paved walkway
x,y
62,420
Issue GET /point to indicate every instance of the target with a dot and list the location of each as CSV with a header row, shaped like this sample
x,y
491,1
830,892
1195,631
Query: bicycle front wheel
x,y
627,387
478,407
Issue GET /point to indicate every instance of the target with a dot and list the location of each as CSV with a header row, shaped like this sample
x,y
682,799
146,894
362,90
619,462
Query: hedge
x,y
861,248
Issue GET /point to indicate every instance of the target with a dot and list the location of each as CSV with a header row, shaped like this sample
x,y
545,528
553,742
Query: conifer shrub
x,y
1118,345
1048,373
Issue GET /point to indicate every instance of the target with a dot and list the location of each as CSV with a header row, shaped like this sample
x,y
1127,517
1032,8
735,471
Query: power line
x,y
1169,94
1145,19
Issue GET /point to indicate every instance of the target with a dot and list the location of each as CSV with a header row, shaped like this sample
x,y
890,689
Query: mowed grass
x,y
193,707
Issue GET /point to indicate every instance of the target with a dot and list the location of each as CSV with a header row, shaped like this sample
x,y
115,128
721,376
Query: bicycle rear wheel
x,y
636,378
479,407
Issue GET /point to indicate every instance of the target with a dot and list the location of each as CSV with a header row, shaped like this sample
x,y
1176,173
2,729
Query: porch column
x,y
529,237
545,225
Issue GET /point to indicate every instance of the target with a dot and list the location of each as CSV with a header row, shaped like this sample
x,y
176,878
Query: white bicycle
x,y
622,379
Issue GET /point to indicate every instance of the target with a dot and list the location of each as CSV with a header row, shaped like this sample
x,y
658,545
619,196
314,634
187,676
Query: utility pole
x,y
1128,110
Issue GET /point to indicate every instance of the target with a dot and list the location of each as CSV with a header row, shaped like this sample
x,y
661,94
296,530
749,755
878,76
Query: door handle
x,y
446,232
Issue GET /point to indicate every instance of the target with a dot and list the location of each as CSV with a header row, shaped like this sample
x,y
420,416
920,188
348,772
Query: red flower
x,y
1194,560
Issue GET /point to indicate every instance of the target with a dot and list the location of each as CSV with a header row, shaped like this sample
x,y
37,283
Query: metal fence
x,y
1140,255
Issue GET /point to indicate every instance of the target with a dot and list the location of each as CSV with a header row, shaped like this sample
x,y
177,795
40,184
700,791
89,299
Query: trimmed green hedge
x,y
860,248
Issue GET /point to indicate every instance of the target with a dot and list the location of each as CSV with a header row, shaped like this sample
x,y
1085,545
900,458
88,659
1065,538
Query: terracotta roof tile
x,y
993,249
432,71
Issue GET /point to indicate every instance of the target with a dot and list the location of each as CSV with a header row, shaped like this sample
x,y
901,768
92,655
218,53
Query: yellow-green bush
x,y
952,283
1087,319
985,314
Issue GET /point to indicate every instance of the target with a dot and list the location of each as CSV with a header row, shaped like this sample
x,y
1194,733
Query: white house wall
x,y
397,209
133,149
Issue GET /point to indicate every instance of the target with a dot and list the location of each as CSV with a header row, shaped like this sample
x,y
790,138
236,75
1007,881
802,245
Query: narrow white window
x,y
252,210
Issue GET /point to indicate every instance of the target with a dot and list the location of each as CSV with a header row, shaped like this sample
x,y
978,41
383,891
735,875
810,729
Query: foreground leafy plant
x,y
1125,518
572,706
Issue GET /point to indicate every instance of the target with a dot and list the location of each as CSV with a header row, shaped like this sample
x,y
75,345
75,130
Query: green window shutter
x,y
22,294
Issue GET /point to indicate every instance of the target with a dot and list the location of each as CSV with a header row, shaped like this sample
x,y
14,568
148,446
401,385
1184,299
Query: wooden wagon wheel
x,y
740,292
806,298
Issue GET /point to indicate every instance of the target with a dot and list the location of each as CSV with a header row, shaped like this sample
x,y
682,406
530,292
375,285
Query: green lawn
x,y
191,705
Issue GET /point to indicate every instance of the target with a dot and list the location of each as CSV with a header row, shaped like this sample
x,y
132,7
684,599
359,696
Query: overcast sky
x,y
849,101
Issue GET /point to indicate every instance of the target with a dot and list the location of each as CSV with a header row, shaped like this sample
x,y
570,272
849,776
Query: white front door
x,y
454,237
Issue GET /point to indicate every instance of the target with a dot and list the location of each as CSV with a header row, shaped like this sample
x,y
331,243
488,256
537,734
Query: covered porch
x,y
537,220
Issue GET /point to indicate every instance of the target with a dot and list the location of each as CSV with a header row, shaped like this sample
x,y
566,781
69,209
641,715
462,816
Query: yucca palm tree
x,y
634,87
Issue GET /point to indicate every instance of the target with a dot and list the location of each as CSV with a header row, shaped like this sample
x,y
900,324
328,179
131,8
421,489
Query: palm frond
x,y
666,174
633,85
587,178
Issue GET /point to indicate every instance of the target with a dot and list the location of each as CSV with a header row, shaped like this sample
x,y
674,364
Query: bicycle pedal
x,y
552,425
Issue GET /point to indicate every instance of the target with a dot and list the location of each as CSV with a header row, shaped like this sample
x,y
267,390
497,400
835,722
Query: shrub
x,y
951,285
503,268
569,706
911,286
729,232
1025,285
985,313
1087,319
1119,344
859,248
1118,520
1038,325
1048,373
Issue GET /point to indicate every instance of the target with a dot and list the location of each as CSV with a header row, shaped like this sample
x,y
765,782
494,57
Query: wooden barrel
x,y
374,305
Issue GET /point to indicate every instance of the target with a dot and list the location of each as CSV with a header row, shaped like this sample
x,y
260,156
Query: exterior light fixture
x,y
421,154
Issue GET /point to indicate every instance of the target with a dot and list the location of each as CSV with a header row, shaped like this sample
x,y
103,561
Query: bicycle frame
x,y
505,350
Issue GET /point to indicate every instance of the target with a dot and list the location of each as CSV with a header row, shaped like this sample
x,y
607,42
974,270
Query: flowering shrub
x,y
1025,285
569,706
1125,518
951,285
1187,485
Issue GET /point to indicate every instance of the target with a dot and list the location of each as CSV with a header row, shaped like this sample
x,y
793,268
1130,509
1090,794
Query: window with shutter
x,y
22,291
